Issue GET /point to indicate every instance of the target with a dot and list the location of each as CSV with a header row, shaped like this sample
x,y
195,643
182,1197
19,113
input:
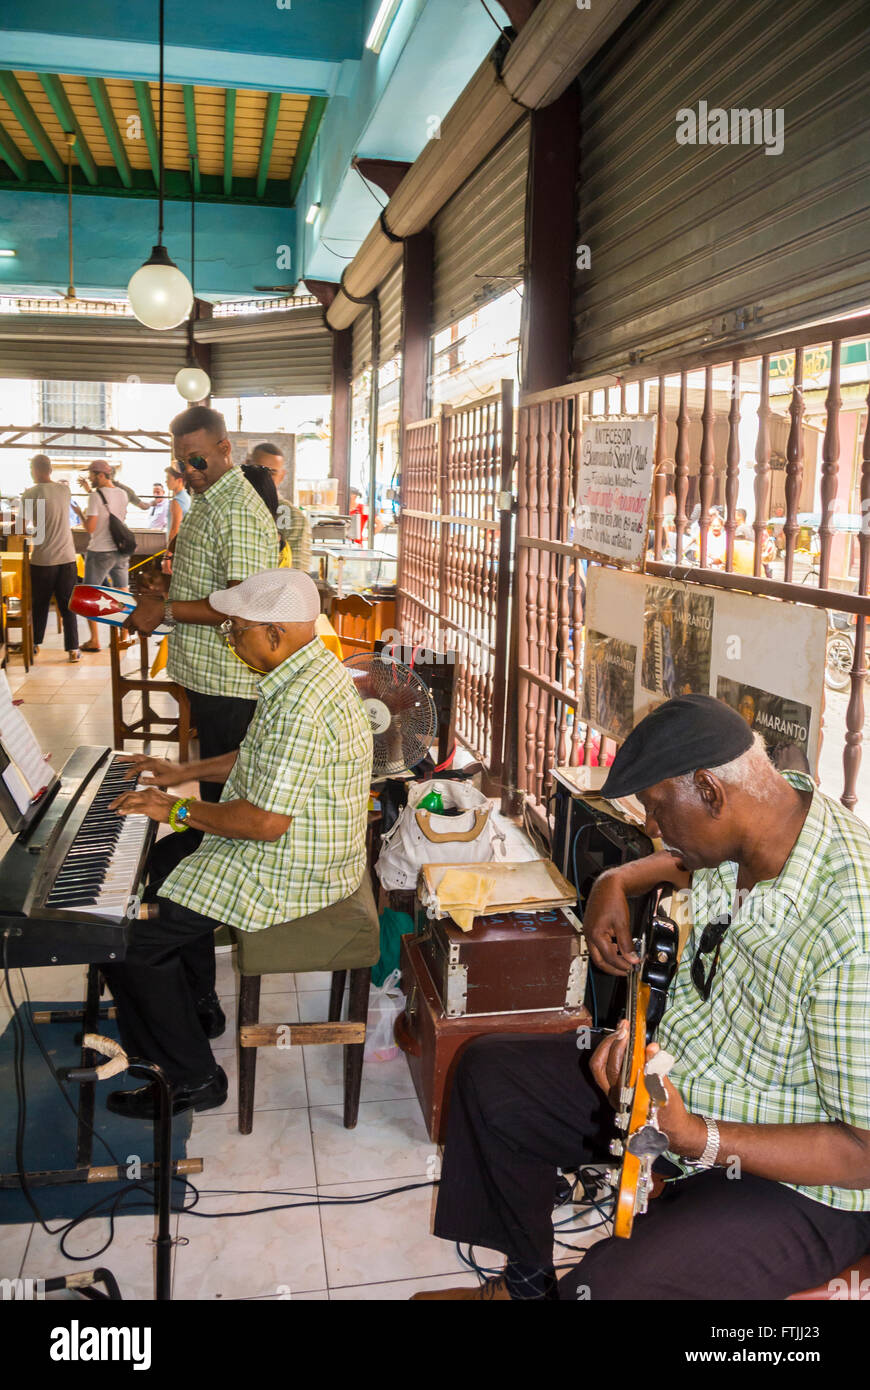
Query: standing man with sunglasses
x,y
768,1112
227,535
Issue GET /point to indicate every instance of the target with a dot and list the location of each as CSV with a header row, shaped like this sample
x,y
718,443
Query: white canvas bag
x,y
425,837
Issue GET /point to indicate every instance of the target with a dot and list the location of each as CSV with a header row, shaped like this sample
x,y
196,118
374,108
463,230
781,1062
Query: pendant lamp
x,y
160,294
192,383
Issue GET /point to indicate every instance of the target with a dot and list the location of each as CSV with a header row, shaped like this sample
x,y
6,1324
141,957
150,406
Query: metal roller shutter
x,y
480,234
55,347
361,344
690,243
280,354
390,300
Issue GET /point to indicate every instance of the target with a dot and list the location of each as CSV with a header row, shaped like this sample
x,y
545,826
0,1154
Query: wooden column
x,y
416,328
340,447
551,240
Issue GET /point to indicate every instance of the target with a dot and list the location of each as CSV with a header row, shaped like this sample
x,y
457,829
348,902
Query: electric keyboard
x,y
70,881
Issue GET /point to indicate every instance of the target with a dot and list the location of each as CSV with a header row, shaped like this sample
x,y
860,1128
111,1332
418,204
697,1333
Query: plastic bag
x,y
385,1004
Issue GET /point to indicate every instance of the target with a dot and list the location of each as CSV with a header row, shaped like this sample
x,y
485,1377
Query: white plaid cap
x,y
272,596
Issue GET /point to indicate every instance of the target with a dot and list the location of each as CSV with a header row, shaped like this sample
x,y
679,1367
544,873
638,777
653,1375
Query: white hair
x,y
750,772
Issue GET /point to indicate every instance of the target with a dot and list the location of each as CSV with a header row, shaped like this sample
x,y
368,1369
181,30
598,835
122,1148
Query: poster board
x,y
243,442
650,639
614,489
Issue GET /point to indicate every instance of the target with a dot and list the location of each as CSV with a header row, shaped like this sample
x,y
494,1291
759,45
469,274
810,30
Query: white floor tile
x,y
13,1246
280,1083
388,1240
278,1153
390,1141
276,1253
398,1291
380,1081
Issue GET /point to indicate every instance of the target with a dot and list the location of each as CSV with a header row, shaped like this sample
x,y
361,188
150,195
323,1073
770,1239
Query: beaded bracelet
x,y
179,814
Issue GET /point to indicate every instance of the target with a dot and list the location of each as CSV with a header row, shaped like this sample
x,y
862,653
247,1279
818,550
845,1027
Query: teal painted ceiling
x,y
274,101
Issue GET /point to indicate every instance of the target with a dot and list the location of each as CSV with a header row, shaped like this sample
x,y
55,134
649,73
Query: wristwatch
x,y
711,1148
168,620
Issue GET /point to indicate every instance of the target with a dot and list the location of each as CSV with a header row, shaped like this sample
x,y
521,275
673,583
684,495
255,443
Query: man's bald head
x,y
40,468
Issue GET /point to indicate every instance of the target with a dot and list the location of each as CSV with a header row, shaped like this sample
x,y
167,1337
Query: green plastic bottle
x,y
432,801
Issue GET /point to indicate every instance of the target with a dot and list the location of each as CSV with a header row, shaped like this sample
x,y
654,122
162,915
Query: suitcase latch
x,y
457,989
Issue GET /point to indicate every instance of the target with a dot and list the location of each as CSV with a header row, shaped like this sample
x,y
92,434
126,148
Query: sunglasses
x,y
711,940
195,461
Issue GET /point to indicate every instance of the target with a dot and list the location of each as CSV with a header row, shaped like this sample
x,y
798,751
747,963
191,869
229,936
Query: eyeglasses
x,y
711,940
195,461
226,627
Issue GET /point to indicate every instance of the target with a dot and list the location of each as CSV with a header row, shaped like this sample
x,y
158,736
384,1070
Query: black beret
x,y
679,736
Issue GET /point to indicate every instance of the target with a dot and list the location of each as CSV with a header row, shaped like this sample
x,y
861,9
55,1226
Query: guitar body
x,y
647,994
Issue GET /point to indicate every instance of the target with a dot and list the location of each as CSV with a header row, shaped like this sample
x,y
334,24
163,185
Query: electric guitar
x,y
639,1141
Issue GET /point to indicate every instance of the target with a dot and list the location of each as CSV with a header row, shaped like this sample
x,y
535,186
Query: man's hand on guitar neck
x,y
606,921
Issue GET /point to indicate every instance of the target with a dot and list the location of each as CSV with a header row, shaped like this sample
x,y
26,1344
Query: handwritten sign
x,y
611,519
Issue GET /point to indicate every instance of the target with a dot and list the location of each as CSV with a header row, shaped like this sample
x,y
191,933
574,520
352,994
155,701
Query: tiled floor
x,y
299,1149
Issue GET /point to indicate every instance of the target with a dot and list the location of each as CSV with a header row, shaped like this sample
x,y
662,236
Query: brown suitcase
x,y
510,962
432,1042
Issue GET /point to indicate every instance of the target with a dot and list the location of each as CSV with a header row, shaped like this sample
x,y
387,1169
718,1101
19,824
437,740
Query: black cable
x,y
503,32
369,186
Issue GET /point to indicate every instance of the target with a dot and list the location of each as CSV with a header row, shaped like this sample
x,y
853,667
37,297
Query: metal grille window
x,y
73,403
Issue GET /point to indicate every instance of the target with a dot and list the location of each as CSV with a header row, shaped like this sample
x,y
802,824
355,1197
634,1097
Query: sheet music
x,y
21,745
18,788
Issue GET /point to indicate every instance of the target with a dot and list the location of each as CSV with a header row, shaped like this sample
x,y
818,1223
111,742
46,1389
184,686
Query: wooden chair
x,y
19,606
149,725
342,938
852,1284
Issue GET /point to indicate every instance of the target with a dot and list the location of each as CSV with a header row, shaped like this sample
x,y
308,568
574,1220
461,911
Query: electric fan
x,y
400,707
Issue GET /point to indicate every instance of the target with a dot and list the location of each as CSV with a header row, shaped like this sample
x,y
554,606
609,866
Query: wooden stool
x,y
19,605
142,730
342,937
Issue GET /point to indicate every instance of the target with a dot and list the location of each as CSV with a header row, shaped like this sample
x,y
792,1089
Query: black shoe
x,y
142,1104
211,1016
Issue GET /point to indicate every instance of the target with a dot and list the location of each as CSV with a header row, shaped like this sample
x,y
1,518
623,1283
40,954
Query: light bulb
x,y
160,294
193,383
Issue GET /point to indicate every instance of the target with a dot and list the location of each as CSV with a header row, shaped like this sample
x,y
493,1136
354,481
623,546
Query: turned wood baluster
x,y
660,480
555,466
544,531
855,712
762,465
794,468
705,477
531,596
681,472
732,466
830,465
576,665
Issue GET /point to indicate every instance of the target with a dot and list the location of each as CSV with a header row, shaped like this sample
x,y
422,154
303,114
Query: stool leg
x,y
249,1012
336,995
358,1007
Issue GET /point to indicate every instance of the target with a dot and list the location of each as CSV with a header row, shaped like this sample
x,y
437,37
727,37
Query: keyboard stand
x,y
85,1170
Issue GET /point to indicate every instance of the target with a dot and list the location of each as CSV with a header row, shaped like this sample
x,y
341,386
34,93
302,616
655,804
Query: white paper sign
x,y
617,458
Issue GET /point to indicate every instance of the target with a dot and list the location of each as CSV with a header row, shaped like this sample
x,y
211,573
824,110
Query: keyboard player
x,y
286,839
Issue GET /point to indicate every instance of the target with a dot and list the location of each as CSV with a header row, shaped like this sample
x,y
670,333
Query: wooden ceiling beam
x,y
190,122
100,95
149,127
13,156
310,127
270,123
54,89
10,88
229,137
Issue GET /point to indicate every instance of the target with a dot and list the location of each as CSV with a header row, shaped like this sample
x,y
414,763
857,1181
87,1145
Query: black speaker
x,y
587,838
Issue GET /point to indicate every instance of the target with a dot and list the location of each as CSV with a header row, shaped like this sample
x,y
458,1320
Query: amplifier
x,y
589,837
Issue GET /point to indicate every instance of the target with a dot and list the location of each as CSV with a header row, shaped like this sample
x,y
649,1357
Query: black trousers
x,y
49,582
522,1106
167,854
157,1016
221,722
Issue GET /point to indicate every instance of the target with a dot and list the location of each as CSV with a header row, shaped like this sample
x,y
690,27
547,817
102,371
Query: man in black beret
x,y
768,1111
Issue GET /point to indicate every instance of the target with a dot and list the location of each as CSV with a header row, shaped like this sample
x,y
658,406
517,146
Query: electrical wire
x,y
369,186
503,32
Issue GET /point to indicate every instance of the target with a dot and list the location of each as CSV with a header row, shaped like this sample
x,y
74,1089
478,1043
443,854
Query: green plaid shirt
x,y
228,534
296,531
785,1035
307,754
